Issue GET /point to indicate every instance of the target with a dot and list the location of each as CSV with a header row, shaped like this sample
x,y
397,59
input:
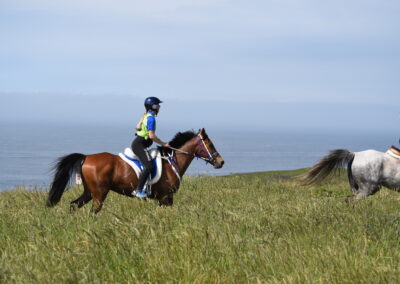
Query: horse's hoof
x,y
73,207
350,200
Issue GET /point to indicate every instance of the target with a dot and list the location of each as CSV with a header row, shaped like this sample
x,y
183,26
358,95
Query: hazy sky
x,y
282,62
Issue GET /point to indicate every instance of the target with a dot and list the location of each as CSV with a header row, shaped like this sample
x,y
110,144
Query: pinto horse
x,y
103,172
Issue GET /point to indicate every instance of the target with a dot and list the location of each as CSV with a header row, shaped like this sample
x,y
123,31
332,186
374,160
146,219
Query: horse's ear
x,y
202,131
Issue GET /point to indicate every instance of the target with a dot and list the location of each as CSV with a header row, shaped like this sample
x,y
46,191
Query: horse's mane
x,y
181,138
178,141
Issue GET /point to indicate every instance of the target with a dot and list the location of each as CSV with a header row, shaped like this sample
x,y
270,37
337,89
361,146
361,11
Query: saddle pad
x,y
390,153
137,166
129,153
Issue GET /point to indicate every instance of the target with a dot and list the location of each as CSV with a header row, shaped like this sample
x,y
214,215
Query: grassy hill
x,y
247,228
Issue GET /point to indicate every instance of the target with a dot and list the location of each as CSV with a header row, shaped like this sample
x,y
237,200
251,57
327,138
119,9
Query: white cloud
x,y
260,17
107,6
273,50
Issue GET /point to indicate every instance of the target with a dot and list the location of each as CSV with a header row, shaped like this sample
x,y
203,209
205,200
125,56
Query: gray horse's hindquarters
x,y
367,170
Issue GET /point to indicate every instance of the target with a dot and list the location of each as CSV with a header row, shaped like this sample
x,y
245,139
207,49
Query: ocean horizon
x,y
28,151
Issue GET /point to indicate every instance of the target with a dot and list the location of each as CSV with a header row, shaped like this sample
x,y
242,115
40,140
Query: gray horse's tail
x,y
339,158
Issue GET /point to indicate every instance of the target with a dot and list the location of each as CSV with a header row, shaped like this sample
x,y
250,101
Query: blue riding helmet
x,y
151,102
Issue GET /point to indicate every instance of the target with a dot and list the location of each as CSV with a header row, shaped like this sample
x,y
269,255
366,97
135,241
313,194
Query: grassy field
x,y
250,228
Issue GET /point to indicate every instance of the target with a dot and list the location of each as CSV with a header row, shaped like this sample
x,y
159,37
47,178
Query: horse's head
x,y
206,150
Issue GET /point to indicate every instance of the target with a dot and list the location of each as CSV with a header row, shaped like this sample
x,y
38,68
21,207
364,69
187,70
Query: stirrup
x,y
141,193
147,188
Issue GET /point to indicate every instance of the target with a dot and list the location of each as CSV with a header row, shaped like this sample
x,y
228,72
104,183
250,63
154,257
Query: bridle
x,y
200,140
211,158
201,149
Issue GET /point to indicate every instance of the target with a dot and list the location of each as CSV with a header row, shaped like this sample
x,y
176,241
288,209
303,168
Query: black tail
x,y
64,168
340,158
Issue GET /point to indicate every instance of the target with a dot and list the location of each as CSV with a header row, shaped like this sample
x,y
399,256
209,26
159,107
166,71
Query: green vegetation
x,y
250,228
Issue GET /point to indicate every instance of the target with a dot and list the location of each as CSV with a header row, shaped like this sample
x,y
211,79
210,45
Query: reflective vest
x,y
144,132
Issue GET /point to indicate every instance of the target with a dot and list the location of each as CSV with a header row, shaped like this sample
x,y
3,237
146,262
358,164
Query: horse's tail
x,y
339,158
63,170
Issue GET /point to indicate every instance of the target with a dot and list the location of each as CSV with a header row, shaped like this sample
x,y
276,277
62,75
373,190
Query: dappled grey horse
x,y
367,170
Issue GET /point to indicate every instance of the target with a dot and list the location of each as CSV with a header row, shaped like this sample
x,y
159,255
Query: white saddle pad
x,y
390,153
128,155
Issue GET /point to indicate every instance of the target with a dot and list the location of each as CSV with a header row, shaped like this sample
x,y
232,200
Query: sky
x,y
255,64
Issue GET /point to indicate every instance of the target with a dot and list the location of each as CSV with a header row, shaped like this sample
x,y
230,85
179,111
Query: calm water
x,y
27,152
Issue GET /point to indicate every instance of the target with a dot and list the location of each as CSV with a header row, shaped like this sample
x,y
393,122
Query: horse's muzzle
x,y
218,163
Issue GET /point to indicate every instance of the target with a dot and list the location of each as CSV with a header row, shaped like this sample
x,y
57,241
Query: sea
x,y
28,151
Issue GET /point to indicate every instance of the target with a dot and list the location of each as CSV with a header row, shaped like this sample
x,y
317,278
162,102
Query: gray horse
x,y
367,170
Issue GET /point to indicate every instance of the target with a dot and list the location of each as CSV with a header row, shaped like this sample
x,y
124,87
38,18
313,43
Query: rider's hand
x,y
166,145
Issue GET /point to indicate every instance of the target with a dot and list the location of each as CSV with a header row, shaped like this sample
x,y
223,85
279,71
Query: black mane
x,y
181,138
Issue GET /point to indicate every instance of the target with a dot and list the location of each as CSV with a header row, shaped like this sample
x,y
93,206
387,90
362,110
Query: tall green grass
x,y
253,228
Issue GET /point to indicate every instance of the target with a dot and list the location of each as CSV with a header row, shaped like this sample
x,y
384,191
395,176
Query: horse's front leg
x,y
164,192
167,200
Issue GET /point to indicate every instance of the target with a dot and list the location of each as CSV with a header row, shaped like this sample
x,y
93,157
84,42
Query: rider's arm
x,y
154,137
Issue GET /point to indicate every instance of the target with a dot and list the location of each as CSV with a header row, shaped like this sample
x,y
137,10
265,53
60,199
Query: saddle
x,y
131,159
395,150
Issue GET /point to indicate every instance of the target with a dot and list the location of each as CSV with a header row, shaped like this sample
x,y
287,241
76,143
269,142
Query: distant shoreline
x,y
244,174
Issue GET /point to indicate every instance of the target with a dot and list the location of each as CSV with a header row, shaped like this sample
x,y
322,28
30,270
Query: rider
x,y
145,136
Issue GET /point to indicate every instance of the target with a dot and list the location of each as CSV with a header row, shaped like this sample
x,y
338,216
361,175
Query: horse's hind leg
x,y
81,200
365,189
98,199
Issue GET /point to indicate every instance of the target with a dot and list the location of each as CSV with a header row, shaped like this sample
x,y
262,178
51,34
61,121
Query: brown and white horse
x,y
103,172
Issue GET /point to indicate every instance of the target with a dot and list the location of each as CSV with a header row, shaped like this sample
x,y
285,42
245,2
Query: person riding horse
x,y
105,172
145,136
